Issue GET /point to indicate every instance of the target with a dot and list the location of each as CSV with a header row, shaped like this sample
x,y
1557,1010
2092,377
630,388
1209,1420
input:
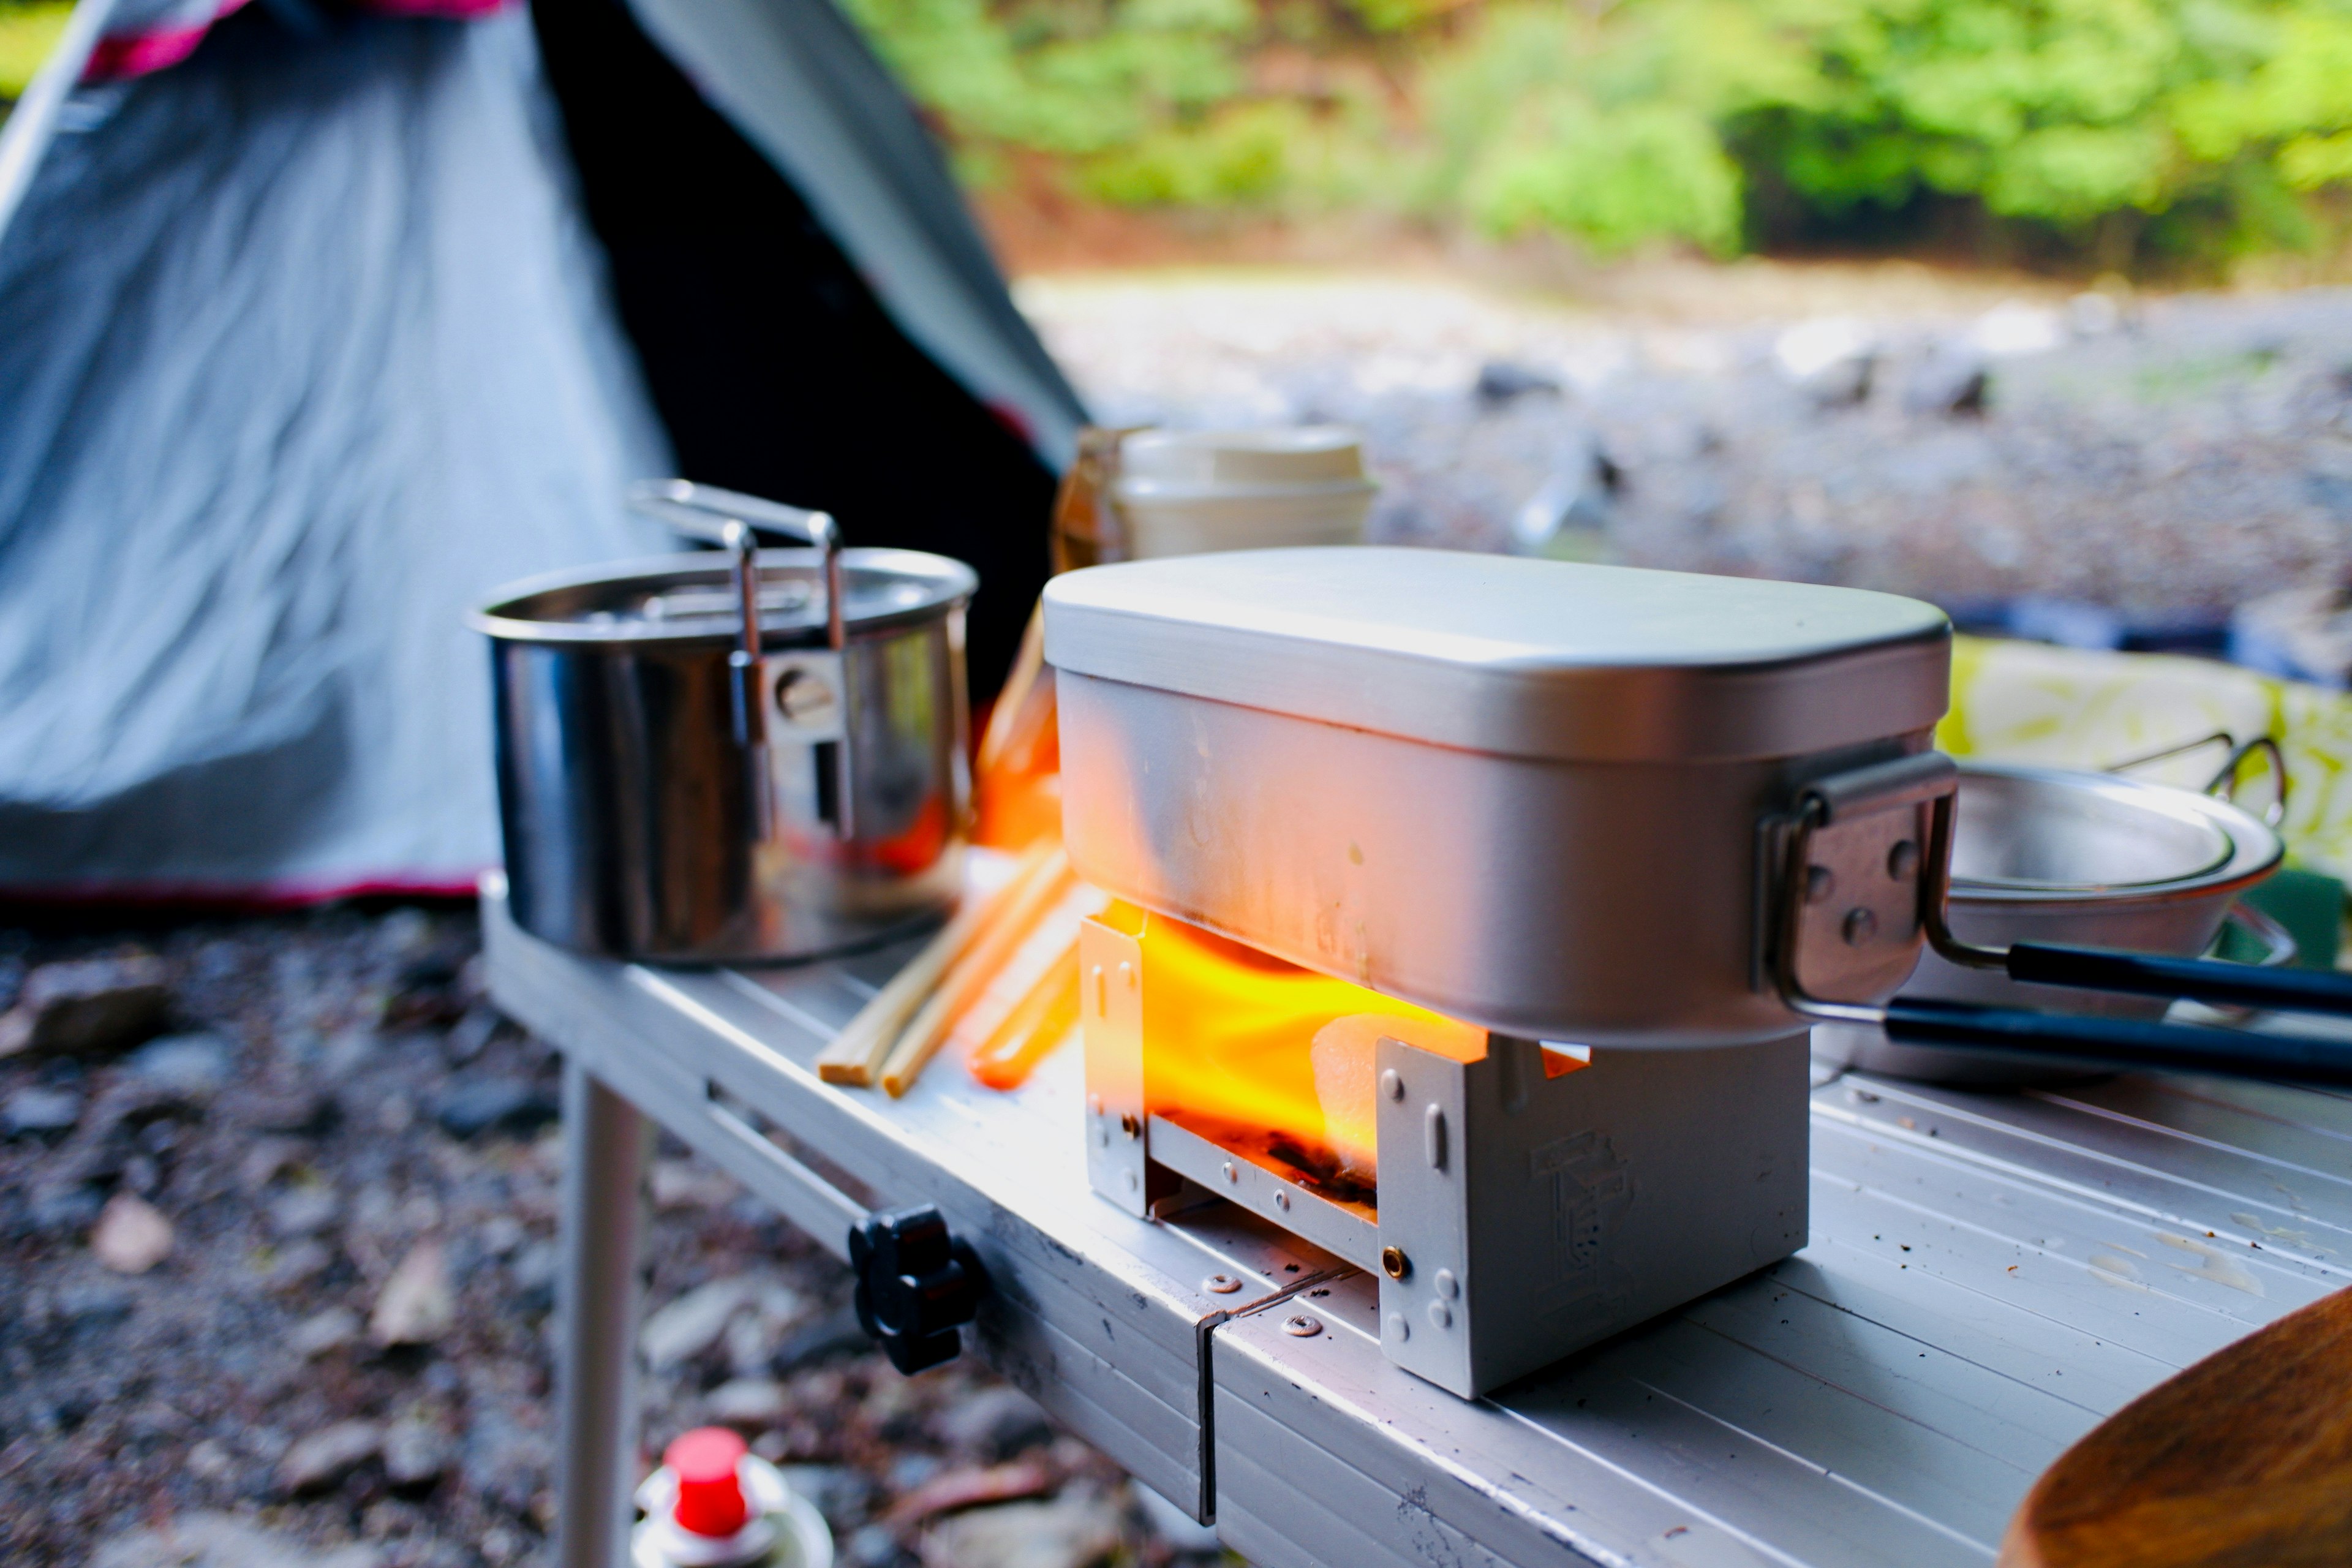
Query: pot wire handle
x,y
2279,946
2224,782
704,513
733,521
2119,1042
751,682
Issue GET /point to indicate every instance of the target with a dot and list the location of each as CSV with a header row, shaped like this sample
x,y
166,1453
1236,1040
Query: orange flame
x,y
1230,1037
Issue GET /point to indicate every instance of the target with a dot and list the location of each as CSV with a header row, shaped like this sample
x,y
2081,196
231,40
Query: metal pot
x,y
2080,859
681,781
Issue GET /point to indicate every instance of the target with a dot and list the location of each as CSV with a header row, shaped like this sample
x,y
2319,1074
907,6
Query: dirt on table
x,y
277,1266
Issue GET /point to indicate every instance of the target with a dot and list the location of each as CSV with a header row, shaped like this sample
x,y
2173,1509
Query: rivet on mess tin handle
x,y
1221,1284
1393,1262
1299,1325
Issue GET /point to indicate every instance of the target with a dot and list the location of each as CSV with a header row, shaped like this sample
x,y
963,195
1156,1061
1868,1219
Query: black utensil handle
x,y
2200,979
2121,1042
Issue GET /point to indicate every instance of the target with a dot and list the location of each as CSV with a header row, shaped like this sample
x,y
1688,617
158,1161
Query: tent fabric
x,y
303,350
799,83
146,36
306,346
776,365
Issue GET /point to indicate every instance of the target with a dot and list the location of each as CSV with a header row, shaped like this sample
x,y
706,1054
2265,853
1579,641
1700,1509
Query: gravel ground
x,y
2163,458
207,1240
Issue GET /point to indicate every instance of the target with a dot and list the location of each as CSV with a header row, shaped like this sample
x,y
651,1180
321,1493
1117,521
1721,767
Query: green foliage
x,y
1073,79
2201,127
1239,156
27,34
1616,179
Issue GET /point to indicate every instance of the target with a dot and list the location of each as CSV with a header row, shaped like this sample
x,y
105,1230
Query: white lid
x,y
1276,458
1504,654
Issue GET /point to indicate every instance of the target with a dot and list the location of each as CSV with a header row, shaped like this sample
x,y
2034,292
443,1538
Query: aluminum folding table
x,y
1990,1275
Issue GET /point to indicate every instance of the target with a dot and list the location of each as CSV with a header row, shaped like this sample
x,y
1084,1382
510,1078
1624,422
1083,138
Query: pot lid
x,y
691,597
1523,658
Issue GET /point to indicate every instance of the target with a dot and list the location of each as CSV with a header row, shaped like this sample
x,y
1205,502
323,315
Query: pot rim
x,y
953,585
2255,848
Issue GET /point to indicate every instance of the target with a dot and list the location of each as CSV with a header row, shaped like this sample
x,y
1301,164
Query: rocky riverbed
x,y
1963,440
276,1277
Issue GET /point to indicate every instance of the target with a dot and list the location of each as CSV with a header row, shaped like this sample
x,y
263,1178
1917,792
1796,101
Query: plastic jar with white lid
x,y
1182,492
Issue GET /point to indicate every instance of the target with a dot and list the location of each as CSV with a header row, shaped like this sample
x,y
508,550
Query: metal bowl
x,y
2039,835
2081,859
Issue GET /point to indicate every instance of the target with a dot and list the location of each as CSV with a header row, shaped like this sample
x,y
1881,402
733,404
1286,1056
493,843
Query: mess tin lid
x,y
1521,658
690,597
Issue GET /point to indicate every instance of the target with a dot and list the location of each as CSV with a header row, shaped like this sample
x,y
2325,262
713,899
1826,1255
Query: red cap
x,y
709,1491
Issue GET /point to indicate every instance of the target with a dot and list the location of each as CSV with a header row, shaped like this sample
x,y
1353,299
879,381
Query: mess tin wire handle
x,y
733,522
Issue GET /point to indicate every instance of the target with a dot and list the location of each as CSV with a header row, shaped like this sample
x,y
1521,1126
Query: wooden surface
x,y
2244,1458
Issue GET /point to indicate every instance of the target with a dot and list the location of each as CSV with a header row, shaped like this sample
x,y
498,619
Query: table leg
x,y
606,1142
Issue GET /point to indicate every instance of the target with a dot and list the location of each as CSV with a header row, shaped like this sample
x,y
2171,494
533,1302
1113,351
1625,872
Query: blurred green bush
x,y
27,33
2124,130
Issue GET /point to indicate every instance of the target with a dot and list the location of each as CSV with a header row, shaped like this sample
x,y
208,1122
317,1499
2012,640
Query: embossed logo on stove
x,y
1589,1191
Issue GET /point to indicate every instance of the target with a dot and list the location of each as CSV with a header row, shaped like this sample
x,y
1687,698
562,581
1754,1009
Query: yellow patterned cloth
x,y
2075,708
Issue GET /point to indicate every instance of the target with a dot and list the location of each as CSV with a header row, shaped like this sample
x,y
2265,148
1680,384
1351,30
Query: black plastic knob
x,y
915,1285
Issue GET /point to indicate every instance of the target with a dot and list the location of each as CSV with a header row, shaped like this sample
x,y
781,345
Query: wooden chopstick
x,y
1037,1023
1008,927
856,1055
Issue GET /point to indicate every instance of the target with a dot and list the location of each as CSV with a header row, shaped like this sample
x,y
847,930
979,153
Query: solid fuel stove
x,y
1537,799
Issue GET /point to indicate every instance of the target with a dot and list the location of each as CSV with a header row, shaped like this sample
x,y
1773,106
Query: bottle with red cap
x,y
715,1504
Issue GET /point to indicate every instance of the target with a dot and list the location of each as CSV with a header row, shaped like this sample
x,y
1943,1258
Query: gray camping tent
x,y
305,345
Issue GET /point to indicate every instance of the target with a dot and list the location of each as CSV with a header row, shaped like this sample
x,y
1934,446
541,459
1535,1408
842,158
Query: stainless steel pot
x,y
681,781
2081,859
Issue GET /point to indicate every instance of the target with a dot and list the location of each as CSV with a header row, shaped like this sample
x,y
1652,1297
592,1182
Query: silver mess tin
x,y
1533,795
